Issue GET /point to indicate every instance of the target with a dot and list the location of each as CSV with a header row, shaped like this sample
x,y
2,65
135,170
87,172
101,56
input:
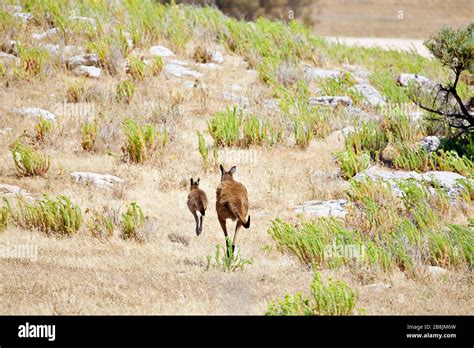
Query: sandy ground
x,y
390,18
385,43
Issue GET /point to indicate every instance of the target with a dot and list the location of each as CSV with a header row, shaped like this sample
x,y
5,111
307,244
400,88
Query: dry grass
x,y
85,275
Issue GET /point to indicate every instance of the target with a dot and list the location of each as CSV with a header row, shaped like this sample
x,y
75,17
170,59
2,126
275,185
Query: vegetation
x,y
89,135
226,259
142,140
125,91
132,223
42,128
330,298
53,216
453,48
28,161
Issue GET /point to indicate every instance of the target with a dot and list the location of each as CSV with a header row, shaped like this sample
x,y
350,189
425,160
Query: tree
x,y
454,49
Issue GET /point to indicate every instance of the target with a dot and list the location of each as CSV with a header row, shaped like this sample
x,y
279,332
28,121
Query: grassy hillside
x,y
225,91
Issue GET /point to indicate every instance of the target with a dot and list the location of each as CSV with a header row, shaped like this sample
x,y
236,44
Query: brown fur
x,y
197,202
232,202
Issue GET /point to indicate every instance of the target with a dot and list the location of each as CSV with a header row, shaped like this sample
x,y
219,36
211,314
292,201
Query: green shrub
x,y
411,157
5,214
226,259
368,137
75,91
351,163
333,297
137,68
89,135
29,162
35,62
42,128
52,216
125,91
225,127
142,140
452,162
132,223
203,150
156,66
101,225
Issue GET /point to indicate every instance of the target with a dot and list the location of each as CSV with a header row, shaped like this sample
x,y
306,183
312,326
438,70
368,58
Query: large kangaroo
x,y
232,203
197,202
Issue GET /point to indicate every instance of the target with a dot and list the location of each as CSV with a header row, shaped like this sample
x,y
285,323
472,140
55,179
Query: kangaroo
x,y
232,203
197,201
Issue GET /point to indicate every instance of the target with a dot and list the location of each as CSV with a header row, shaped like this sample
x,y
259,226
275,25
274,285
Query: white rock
x,y
405,80
329,208
180,70
11,190
330,100
239,99
48,33
217,57
87,71
317,73
373,96
436,271
25,17
36,112
100,180
5,131
378,286
84,59
272,104
9,57
161,51
348,130
430,143
449,181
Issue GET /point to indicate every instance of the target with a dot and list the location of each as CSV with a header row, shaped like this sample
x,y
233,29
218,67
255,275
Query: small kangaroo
x,y
232,203
197,201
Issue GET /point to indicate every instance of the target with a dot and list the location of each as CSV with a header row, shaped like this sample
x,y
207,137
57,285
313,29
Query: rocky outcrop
x,y
331,101
430,143
180,69
449,181
35,112
372,96
105,181
161,51
317,73
84,59
335,208
87,71
12,191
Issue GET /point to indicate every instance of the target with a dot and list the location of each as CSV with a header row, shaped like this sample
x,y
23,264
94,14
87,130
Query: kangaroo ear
x,y
191,181
222,169
197,182
232,170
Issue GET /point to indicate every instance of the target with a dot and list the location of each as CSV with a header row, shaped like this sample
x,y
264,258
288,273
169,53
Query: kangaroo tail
x,y
247,224
203,211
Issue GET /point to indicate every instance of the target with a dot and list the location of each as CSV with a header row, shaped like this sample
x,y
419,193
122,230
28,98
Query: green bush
x,y
411,157
333,297
368,137
29,162
42,128
226,259
53,216
125,91
132,223
89,135
5,214
142,140
351,163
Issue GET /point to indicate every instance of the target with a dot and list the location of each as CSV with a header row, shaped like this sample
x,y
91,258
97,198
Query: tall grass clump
x,y
351,163
57,216
133,224
367,137
42,128
225,127
142,140
101,225
411,157
5,214
35,62
125,91
226,259
333,297
28,161
89,135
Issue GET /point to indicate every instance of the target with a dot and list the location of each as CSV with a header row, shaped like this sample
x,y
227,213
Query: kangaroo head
x,y
195,184
227,175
